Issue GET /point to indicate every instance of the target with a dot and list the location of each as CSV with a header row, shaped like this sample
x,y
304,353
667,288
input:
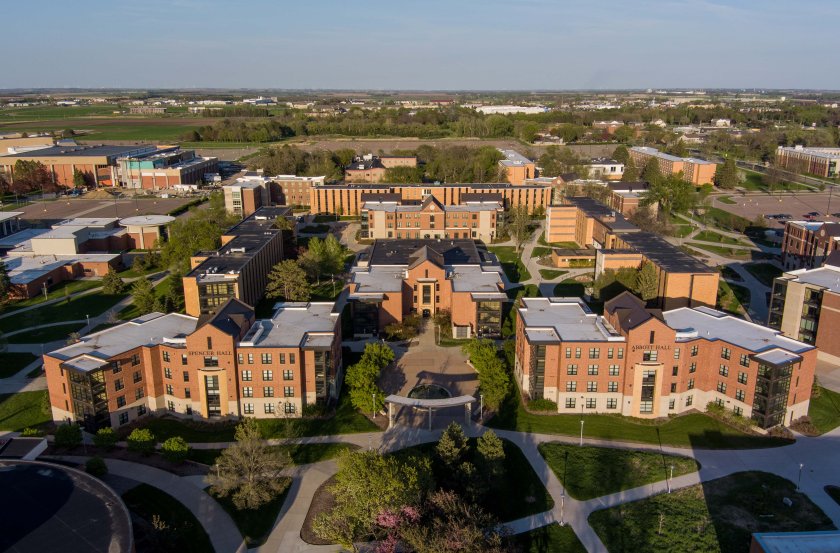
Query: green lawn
x,y
695,430
255,525
764,272
57,291
130,311
719,515
300,454
92,304
12,363
589,472
511,263
570,288
24,410
185,533
327,290
562,245
549,539
732,298
681,231
723,219
726,200
824,411
711,236
45,335
754,181
540,251
551,274
723,251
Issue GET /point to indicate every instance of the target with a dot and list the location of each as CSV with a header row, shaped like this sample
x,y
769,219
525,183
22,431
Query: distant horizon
x,y
439,45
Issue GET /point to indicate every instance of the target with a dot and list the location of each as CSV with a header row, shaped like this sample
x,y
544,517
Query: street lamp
x,y
799,480
480,406
88,321
670,478
581,421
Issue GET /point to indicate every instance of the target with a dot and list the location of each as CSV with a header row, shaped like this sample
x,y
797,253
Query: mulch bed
x,y
322,501
187,468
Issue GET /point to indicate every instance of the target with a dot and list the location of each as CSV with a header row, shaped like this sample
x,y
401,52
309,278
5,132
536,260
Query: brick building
x,y
822,162
371,168
389,217
397,277
517,167
647,363
164,168
807,244
226,365
696,171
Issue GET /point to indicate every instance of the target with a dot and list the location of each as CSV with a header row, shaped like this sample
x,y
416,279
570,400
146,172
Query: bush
x,y
31,433
175,449
314,410
96,466
141,440
803,425
542,404
105,438
68,436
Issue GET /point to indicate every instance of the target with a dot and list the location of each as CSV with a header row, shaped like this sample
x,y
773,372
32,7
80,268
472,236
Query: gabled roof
x,y
230,318
629,310
426,253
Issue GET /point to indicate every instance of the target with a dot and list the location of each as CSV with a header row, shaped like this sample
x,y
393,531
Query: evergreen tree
x,y
144,296
287,280
621,154
112,284
5,284
631,174
647,285
452,446
79,180
726,175
491,454
651,172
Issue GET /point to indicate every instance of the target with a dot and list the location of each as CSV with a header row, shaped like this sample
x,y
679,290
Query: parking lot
x,y
797,205
67,208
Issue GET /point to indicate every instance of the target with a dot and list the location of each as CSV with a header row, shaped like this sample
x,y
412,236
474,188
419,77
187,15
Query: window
x,y
651,355
725,353
187,393
169,389
250,358
209,342
268,375
676,353
211,361
612,403
570,403
288,375
577,353
120,401
186,376
265,359
675,370
138,393
568,353
268,408
693,367
610,353
571,386
673,387
141,410
652,337
723,371
745,360
137,377
671,404
184,360
288,391
167,372
166,357
135,359
240,358
118,384
690,385
591,403
591,386
742,378
689,400
592,370
594,353
282,358
247,391
571,369
739,395
246,376
612,386
694,350
123,418
170,405
248,408
268,391
721,387
188,410
621,353
719,402
292,358
289,408
614,370
116,367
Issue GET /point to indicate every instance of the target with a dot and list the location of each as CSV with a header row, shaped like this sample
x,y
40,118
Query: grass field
x,y
711,236
589,472
681,231
551,274
765,273
255,525
511,263
549,539
824,411
12,363
92,304
719,515
45,335
723,251
24,410
754,181
726,200
130,311
694,430
185,533
732,297
723,219
57,291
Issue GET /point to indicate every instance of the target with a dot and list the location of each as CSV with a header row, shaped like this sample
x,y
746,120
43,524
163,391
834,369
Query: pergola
x,y
431,405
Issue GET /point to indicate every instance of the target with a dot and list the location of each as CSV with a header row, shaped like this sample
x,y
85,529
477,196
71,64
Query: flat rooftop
x,y
147,220
295,324
24,269
798,542
552,320
48,507
664,254
512,158
662,155
827,277
710,324
825,153
607,216
82,151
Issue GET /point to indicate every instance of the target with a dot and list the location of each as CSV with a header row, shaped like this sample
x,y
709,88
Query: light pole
x,y
88,321
45,291
670,478
799,480
581,421
373,407
480,406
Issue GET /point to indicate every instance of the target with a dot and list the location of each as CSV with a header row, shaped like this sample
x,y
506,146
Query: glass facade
x,y
810,316
322,370
489,317
771,394
537,371
365,318
90,399
214,397
648,390
214,294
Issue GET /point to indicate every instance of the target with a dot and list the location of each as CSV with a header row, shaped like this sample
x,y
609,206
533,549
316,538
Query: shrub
x,y
96,466
68,436
105,438
141,440
314,410
542,404
31,433
175,449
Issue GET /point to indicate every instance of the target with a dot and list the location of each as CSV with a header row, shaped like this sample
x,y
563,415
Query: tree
x,y
141,440
5,284
647,285
143,294
556,161
68,436
367,484
95,466
175,449
199,232
673,194
631,174
452,447
323,257
287,280
491,455
105,438
362,377
403,175
283,223
726,175
79,179
249,471
518,225
31,175
112,284
651,172
621,154
493,378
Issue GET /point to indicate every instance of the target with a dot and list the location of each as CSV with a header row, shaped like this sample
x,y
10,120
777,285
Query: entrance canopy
x,y
430,405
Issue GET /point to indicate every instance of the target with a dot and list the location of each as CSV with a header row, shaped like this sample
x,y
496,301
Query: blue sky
x,y
429,44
